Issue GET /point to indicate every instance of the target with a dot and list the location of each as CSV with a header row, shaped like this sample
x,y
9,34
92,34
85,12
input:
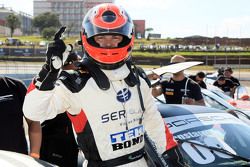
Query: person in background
x,y
225,84
220,71
12,131
179,89
228,75
59,146
108,99
199,78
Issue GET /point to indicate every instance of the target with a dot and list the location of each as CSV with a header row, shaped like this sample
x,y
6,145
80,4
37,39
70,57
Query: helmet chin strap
x,y
100,78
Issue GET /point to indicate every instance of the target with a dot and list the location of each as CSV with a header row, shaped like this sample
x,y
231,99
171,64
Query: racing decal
x,y
191,135
128,138
118,115
124,123
169,91
184,122
185,90
123,95
202,155
6,98
113,116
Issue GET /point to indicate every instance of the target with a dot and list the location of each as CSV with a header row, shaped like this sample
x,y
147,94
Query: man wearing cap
x,y
228,74
225,84
199,77
179,89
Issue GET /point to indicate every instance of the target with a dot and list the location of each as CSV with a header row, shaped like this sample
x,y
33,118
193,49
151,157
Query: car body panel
x,y
13,159
208,127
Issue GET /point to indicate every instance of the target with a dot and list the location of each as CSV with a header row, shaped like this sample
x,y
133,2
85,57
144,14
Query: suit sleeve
x,y
44,105
154,123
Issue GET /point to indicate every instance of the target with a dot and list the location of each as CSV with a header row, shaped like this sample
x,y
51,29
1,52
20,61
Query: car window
x,y
210,102
222,95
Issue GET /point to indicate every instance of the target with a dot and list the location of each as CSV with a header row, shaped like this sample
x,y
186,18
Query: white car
x,y
13,159
208,137
212,100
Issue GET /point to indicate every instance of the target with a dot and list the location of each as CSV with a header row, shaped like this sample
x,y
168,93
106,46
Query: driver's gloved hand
x,y
174,157
56,54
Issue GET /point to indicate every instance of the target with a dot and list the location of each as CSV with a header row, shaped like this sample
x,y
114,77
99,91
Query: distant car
x,y
13,159
241,99
43,43
28,43
13,42
208,137
241,92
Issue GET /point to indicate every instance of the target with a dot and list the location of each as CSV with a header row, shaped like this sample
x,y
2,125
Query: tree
x,y
46,20
70,28
13,22
48,32
148,30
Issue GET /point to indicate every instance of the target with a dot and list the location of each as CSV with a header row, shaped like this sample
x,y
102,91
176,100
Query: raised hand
x,y
57,52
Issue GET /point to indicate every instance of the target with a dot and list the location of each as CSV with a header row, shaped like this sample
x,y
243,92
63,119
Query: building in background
x,y
25,19
139,28
154,36
70,12
26,23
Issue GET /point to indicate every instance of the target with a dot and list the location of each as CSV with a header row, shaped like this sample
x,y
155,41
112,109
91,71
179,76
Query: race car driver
x,y
109,104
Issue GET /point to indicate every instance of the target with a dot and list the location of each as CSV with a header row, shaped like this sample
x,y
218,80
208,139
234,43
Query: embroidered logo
x,y
123,95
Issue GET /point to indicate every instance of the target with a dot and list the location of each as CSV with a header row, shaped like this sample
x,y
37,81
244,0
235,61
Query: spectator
x,y
225,84
199,78
179,89
220,71
228,74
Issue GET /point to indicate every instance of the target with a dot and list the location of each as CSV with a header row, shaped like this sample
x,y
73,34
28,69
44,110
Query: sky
x,y
180,18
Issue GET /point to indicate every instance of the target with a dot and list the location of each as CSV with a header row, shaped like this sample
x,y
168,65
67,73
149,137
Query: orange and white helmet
x,y
106,19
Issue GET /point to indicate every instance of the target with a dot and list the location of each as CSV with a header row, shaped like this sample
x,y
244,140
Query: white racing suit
x,y
107,122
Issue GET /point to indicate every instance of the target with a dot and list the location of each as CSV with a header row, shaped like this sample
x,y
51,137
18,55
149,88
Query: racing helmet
x,y
107,19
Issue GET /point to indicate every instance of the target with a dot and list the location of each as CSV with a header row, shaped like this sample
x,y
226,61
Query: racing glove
x,y
56,54
174,157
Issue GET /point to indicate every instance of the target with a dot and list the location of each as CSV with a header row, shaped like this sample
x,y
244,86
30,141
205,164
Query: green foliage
x,y
49,32
46,20
13,22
